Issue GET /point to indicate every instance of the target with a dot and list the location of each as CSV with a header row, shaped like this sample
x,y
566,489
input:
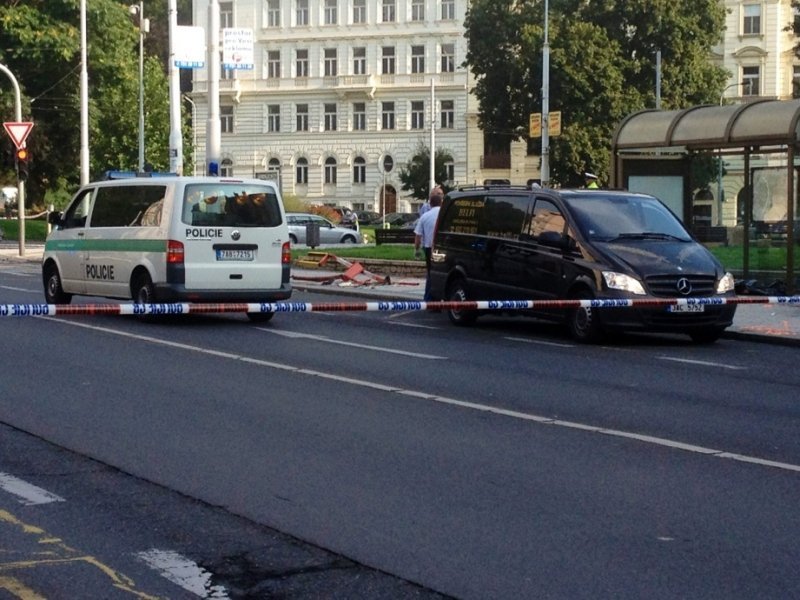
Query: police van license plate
x,y
686,308
235,254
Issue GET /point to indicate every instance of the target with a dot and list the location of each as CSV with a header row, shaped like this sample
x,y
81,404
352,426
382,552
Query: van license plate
x,y
687,308
235,255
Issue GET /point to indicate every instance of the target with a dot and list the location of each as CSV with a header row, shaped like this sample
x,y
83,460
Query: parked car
x,y
347,217
368,217
328,232
544,244
397,219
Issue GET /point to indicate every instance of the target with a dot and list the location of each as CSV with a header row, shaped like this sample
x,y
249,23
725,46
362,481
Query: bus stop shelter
x,y
753,146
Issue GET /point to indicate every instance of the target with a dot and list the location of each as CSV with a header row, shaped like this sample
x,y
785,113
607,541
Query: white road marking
x,y
183,572
16,289
702,363
539,342
27,493
646,439
413,325
327,340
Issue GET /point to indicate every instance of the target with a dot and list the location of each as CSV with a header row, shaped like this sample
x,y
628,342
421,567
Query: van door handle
x,y
278,242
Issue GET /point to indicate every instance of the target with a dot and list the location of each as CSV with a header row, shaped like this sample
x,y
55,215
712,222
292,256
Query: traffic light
x,y
23,156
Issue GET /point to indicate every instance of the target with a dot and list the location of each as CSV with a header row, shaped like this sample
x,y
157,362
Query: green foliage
x,y
415,175
40,44
602,67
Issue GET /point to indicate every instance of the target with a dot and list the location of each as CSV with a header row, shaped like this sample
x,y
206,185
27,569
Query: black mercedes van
x,y
515,243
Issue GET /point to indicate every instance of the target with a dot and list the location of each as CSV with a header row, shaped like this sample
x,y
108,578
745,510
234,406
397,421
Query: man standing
x,y
423,235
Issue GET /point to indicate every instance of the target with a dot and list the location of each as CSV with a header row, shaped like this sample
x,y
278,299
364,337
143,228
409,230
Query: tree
x,y
602,67
40,44
415,174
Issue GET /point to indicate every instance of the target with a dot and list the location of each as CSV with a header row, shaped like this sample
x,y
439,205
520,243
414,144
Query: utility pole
x,y
175,129
20,182
545,171
213,126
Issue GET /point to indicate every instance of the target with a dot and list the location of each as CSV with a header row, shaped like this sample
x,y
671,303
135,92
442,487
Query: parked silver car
x,y
328,232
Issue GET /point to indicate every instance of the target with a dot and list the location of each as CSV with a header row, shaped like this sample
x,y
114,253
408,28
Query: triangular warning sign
x,y
18,132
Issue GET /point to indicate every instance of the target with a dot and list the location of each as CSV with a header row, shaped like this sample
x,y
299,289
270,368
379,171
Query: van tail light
x,y
175,252
286,253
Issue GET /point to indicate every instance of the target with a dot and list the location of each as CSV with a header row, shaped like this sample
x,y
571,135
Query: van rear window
x,y
232,205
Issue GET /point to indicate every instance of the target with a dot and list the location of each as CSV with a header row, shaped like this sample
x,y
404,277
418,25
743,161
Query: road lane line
x,y
646,439
702,363
539,342
19,590
183,572
27,493
15,289
327,340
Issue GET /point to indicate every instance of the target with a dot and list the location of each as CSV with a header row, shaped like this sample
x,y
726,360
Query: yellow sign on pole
x,y
554,123
535,125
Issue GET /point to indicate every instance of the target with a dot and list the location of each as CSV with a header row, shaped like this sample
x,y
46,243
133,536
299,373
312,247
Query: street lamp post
x,y
144,27
194,131
719,173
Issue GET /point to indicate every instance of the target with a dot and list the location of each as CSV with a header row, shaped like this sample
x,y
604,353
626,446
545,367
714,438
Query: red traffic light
x,y
22,154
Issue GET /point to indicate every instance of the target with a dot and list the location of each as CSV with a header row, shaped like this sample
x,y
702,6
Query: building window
x,y
273,118
359,116
796,81
226,119
450,171
226,168
387,60
301,171
330,117
301,63
387,115
417,10
301,111
418,114
330,170
274,64
301,13
359,170
389,11
448,114
417,59
448,58
448,10
359,61
751,19
359,11
331,12
225,21
274,169
751,81
273,13
330,62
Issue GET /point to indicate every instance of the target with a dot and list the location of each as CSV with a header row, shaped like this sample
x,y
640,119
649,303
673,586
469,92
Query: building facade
x,y
341,89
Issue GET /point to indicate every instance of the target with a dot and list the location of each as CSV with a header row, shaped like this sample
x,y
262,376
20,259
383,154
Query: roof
x,y
754,123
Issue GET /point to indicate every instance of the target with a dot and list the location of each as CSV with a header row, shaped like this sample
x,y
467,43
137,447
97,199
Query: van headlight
x,y
620,281
726,283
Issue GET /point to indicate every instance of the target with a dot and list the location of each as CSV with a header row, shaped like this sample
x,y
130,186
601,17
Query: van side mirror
x,y
55,218
554,239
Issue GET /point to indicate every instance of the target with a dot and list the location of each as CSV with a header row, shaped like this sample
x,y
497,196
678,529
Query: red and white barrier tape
x,y
33,310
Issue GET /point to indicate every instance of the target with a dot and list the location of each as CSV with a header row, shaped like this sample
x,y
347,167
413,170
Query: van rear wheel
x,y
142,290
53,291
457,292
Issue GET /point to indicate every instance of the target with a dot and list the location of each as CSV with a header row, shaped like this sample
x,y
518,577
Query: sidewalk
x,y
778,324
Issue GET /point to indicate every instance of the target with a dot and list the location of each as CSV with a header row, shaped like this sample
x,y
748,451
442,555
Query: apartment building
x,y
339,90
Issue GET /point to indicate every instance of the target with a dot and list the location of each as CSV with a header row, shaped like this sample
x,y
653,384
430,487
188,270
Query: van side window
x,y
508,215
463,215
546,216
126,205
78,211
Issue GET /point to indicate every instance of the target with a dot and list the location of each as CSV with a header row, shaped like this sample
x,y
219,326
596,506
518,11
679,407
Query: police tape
x,y
35,310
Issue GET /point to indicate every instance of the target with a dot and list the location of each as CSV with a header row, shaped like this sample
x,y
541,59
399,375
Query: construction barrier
x,y
34,310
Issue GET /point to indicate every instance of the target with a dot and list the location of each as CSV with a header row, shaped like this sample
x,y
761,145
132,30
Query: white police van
x,y
170,238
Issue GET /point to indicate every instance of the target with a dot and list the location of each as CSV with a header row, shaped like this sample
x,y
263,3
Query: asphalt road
x,y
500,461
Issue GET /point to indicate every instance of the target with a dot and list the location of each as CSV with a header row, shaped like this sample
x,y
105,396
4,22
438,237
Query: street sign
x,y
535,125
554,123
388,163
18,132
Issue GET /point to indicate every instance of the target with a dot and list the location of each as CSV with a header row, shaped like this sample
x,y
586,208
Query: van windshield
x,y
232,205
617,217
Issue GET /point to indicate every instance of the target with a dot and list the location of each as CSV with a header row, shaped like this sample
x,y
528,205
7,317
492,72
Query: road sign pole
x,y
20,184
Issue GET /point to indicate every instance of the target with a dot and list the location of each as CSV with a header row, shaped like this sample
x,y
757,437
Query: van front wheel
x,y
53,291
582,322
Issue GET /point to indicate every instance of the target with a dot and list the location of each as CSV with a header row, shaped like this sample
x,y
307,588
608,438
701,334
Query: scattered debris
x,y
354,274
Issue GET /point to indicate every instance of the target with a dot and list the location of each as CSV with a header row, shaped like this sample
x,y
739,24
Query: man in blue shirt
x,y
423,236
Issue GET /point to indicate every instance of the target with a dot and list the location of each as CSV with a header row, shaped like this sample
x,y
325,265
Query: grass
x,y
35,230
761,258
